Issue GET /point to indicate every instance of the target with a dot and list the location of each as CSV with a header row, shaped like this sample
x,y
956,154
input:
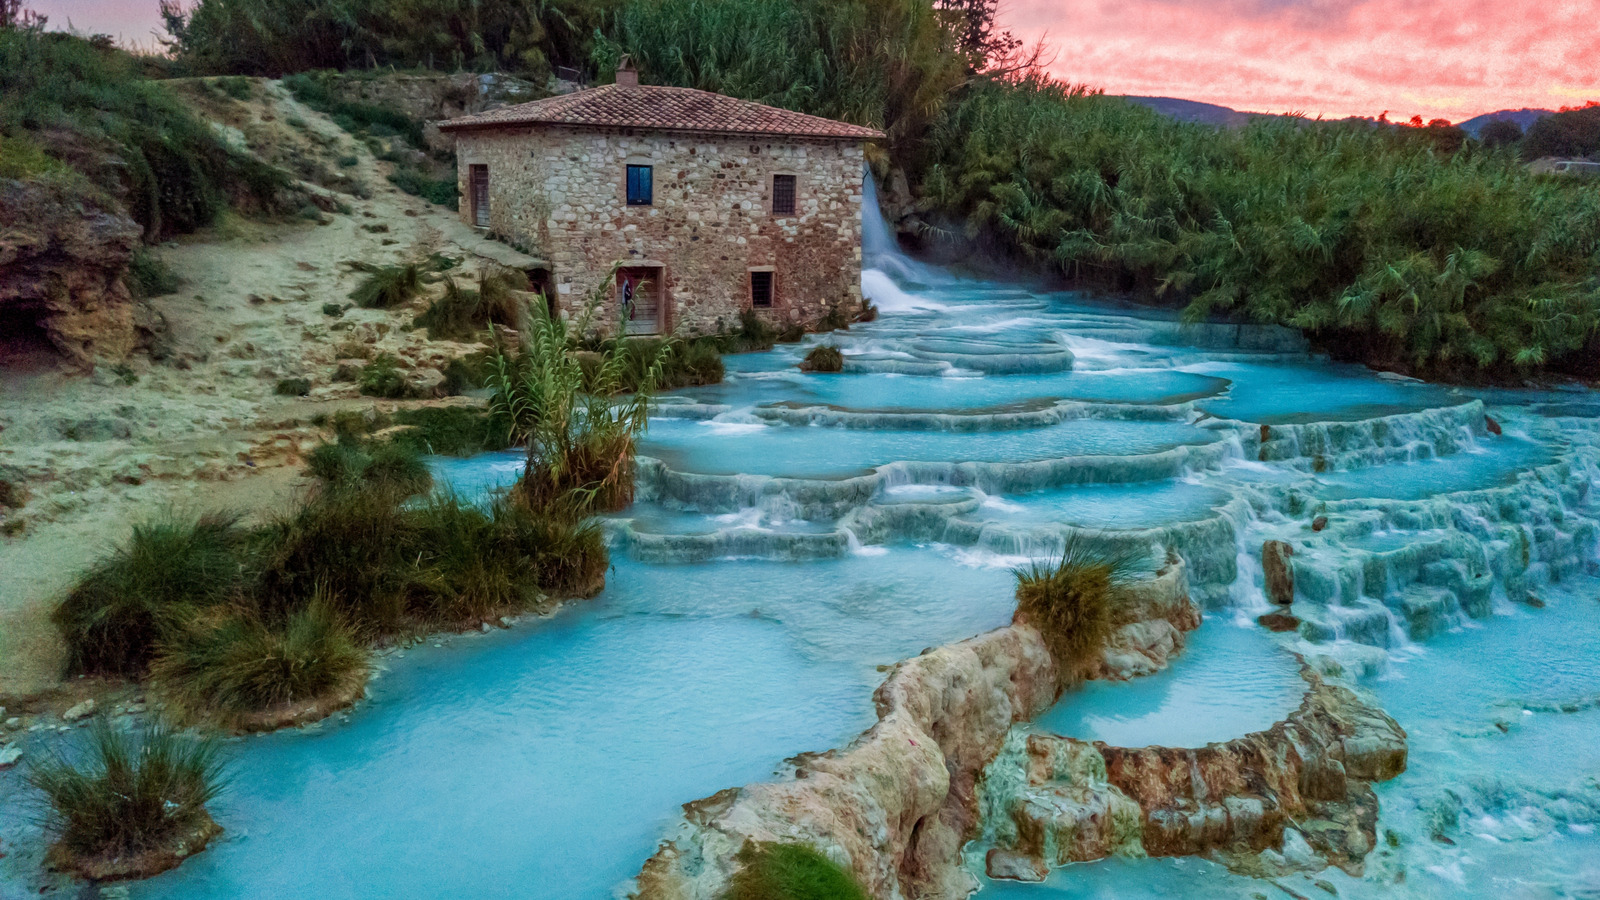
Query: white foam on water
x,y
878,287
730,428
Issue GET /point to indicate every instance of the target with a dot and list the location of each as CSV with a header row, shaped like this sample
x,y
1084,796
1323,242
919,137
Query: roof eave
x,y
459,125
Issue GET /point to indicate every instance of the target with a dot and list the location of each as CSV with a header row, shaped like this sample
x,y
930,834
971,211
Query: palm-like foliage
x,y
580,436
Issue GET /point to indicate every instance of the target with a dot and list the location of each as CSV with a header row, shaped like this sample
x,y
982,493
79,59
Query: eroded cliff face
x,y
62,261
1054,800
898,804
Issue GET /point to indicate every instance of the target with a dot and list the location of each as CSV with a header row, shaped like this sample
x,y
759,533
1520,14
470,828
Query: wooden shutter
x,y
479,176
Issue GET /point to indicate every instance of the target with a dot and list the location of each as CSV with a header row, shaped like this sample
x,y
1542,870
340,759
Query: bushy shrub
x,y
451,431
292,387
823,359
134,793
165,573
350,542
382,378
1070,601
351,459
440,191
790,872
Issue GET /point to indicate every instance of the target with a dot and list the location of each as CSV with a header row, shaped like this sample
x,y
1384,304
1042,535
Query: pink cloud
x,y
1450,58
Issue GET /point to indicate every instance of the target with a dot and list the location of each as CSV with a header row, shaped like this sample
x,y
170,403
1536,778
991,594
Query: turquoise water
x,y
1231,680
549,759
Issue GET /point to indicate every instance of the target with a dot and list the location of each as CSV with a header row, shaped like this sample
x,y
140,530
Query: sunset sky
x,y
1437,58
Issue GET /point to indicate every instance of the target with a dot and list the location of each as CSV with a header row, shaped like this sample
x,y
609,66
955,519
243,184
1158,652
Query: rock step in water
x,y
1055,800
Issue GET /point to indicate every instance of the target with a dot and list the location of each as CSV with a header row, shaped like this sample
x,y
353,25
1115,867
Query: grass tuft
x,y
382,378
166,572
133,793
231,663
386,287
790,872
1070,601
464,313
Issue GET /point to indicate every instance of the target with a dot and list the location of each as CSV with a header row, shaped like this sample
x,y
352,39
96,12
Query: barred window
x,y
761,289
783,194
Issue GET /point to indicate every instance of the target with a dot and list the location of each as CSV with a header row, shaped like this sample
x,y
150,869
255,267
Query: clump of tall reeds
x,y
580,436
1070,600
790,872
135,805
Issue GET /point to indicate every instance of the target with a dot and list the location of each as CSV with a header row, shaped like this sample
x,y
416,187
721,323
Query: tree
x,y
13,15
976,37
1572,132
1500,133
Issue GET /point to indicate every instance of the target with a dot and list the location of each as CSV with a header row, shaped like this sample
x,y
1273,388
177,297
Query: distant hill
x,y
1194,111
1523,118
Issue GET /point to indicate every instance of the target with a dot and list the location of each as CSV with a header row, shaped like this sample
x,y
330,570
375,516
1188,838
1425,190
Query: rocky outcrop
x,y
1055,800
897,805
1150,622
1278,571
62,260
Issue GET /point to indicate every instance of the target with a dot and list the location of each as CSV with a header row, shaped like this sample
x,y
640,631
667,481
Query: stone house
x,y
705,205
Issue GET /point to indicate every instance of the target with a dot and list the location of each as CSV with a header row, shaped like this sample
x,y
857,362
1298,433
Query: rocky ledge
x,y
1303,784
898,804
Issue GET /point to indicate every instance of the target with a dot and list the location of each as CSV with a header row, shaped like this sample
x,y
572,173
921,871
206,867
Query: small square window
x,y
761,289
783,195
641,187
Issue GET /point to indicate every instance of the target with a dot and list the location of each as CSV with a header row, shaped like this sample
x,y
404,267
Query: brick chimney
x,y
627,75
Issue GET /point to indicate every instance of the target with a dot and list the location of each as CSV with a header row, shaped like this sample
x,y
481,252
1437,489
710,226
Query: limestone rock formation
x,y
1150,621
1057,800
897,805
62,259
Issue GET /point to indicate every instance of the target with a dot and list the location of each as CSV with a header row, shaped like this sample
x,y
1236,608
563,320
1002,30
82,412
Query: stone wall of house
x,y
560,193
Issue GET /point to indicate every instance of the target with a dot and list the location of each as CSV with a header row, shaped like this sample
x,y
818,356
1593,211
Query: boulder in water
x,y
1319,523
1279,622
1279,571
1492,425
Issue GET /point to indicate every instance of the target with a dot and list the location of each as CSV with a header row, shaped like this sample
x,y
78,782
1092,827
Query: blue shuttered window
x,y
641,187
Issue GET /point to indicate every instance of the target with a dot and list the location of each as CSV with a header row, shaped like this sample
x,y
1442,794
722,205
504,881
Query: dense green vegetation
x,y
229,620
790,872
1569,133
1362,235
280,37
133,793
1070,601
81,114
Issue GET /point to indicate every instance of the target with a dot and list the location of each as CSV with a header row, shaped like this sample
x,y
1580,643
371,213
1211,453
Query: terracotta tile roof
x,y
664,109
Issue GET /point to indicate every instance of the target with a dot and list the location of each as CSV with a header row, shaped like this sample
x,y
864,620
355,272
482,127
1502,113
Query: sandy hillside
x,y
202,428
